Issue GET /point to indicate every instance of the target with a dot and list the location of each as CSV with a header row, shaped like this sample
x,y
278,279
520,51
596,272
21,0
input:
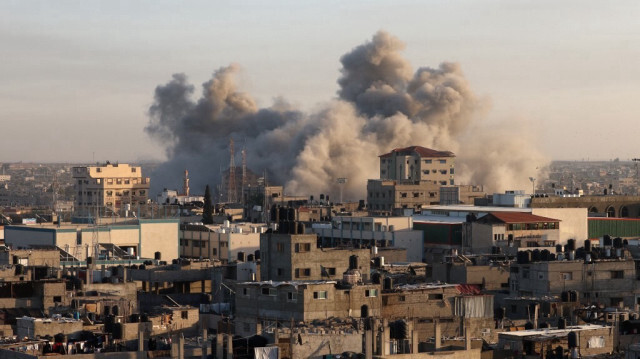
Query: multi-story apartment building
x,y
109,187
417,163
410,178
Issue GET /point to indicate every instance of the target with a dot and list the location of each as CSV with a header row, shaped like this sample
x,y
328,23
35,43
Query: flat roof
x,y
472,208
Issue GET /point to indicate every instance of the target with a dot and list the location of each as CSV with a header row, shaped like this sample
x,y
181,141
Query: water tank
x,y
256,254
109,320
144,318
559,248
587,257
607,252
606,240
301,228
544,255
376,278
352,276
353,262
527,257
134,318
573,296
388,283
619,252
500,313
571,244
617,242
564,296
562,323
107,310
291,214
572,255
250,258
115,310
545,325
587,245
157,256
573,340
118,331
241,257
535,255
528,326
364,311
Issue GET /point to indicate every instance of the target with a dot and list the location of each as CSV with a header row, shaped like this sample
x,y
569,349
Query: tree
x,y
207,211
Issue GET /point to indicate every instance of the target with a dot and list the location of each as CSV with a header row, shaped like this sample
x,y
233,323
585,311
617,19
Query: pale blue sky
x,y
567,69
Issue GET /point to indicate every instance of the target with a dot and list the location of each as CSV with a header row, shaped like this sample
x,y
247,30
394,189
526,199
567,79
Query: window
x,y
271,292
109,193
118,180
109,180
303,247
303,272
245,292
127,181
280,247
141,192
371,293
403,194
617,274
98,169
427,161
402,298
57,299
426,172
416,194
133,169
443,183
442,161
320,294
566,275
185,314
443,172
292,297
451,171
331,271
435,296
214,251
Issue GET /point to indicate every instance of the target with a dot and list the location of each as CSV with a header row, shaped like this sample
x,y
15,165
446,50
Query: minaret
x,y
185,183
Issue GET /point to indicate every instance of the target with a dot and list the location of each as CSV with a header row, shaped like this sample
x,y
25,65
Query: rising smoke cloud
x,y
382,104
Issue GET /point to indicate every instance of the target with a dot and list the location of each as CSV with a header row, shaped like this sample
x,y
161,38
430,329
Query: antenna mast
x,y
244,172
231,186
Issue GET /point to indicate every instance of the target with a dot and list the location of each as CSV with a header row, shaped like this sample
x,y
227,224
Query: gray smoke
x,y
382,105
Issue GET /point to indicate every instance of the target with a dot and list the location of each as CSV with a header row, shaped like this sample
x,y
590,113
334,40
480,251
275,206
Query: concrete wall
x,y
24,236
160,235
573,222
316,344
31,327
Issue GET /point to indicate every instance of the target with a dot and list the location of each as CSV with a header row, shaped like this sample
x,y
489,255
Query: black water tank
x,y
283,227
144,318
375,278
107,310
250,258
500,313
535,255
157,256
562,323
291,214
587,245
282,212
118,330
257,254
573,340
273,215
109,320
115,310
364,311
134,318
545,325
353,262
544,255
564,296
528,326
527,256
241,257
606,240
388,283
571,244
559,352
89,260
559,248
617,242
573,296
301,228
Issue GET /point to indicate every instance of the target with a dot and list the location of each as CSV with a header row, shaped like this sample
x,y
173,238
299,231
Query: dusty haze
x,y
383,103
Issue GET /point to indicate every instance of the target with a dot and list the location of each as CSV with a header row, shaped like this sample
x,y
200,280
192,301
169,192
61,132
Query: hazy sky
x,y
77,77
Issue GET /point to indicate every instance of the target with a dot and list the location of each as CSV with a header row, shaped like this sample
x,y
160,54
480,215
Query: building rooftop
x,y
517,217
422,151
551,332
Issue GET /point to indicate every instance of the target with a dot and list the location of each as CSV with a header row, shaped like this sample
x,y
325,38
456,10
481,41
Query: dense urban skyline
x,y
565,71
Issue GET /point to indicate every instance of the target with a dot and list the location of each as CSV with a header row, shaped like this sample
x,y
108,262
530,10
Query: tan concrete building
x,y
286,257
418,163
141,238
109,188
222,242
513,229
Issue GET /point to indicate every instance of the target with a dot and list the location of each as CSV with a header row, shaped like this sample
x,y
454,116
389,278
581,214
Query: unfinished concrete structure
x,y
261,306
513,229
220,242
287,257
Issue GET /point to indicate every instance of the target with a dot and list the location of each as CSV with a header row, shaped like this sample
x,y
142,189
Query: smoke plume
x,y
382,104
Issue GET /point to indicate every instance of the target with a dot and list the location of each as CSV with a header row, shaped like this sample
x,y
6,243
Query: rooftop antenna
x,y
231,186
533,181
244,172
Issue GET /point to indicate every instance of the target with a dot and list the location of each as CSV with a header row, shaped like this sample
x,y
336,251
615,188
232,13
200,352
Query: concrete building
x,y
491,273
264,306
110,188
450,306
138,238
287,257
513,230
395,232
173,197
29,327
418,163
610,281
590,340
220,242
607,205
